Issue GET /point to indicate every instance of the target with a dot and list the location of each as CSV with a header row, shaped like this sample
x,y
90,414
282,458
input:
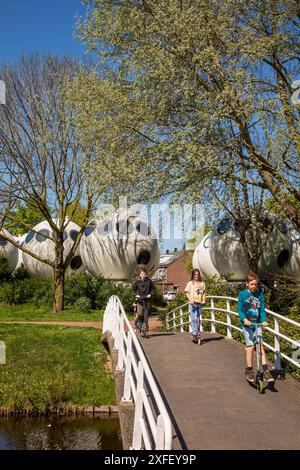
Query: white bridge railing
x,y
178,319
152,424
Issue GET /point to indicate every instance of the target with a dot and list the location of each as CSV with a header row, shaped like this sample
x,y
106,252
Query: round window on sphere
x,y
29,237
143,258
283,258
224,226
89,230
283,228
76,263
74,235
42,235
3,242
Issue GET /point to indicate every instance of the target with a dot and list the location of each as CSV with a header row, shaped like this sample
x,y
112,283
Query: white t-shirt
x,y
196,291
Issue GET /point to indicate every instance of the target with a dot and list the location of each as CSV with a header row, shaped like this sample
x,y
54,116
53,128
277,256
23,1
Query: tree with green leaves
x,y
196,88
22,219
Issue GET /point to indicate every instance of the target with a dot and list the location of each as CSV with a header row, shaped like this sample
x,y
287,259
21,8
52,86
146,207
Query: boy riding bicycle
x,y
143,290
251,309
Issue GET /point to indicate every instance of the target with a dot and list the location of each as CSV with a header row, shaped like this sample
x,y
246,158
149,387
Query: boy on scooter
x,y
143,290
251,309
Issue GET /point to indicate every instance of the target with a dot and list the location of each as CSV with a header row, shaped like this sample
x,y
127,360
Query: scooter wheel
x,y
260,386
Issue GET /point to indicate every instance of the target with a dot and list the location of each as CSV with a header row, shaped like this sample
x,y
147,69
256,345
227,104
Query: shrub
x,y
5,271
158,300
20,274
122,290
83,305
82,285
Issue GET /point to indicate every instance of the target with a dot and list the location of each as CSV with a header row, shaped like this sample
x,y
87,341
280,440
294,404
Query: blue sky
x,y
39,26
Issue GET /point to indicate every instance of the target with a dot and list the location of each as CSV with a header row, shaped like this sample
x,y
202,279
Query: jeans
x,y
250,336
195,311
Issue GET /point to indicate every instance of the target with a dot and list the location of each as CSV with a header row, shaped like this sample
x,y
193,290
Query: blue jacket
x,y
252,307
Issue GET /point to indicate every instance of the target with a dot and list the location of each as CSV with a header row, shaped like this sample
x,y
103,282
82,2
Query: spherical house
x,y
202,258
117,246
277,250
293,264
10,250
221,252
40,241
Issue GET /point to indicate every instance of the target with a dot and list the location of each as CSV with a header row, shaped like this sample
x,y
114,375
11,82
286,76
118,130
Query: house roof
x,y
169,258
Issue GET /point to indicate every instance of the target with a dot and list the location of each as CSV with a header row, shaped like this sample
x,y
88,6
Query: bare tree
x,y
43,161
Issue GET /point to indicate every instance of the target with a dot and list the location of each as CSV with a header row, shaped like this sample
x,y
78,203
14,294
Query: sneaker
x,y
249,374
199,339
268,377
195,339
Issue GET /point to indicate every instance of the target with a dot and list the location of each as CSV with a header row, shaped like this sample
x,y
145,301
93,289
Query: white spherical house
x,y
40,242
9,250
116,246
221,252
277,251
293,264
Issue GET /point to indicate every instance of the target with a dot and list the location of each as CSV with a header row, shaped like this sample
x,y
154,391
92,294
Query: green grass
x,y
53,366
28,312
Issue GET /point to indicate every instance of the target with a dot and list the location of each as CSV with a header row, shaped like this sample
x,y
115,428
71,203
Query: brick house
x,y
172,274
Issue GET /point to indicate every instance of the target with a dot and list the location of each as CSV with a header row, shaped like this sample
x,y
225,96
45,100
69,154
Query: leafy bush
x,y
36,291
158,300
82,285
216,285
122,290
83,305
20,274
5,271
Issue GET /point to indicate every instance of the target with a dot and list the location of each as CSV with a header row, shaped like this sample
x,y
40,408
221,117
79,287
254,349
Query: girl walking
x,y
195,292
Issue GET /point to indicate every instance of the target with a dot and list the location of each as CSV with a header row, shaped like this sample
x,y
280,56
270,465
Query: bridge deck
x,y
212,405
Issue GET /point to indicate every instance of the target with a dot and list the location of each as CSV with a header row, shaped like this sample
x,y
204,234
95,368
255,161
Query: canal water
x,y
56,433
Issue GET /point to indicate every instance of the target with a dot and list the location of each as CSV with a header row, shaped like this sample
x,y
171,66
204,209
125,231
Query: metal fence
x,y
178,320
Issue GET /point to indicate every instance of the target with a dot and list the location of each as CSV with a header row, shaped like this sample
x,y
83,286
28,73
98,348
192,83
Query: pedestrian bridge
x,y
186,396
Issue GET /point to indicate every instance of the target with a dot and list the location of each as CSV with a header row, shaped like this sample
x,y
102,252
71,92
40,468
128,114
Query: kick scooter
x,y
139,324
260,383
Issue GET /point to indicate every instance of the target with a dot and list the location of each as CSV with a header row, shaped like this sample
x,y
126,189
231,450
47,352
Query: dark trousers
x,y
143,310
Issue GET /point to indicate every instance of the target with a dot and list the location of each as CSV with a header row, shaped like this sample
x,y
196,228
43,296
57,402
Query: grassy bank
x,y
28,312
53,366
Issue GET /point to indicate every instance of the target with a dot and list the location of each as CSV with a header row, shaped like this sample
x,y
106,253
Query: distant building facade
x,y
172,274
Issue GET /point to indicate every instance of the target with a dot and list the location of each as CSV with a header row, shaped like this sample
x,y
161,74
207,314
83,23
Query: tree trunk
x,y
59,290
252,258
59,278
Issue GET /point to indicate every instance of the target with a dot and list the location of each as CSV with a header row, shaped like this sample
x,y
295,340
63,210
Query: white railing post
x,y
120,365
128,370
149,407
277,345
181,321
212,310
160,433
138,414
174,322
189,317
228,315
